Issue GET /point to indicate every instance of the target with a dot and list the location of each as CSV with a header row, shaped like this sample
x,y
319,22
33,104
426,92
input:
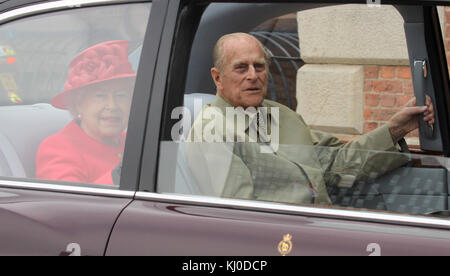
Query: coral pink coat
x,y
71,155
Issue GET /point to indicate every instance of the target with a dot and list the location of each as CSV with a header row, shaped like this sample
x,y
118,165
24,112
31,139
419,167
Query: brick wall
x,y
386,90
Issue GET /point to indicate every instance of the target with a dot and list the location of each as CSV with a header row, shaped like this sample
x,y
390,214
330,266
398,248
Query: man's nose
x,y
251,74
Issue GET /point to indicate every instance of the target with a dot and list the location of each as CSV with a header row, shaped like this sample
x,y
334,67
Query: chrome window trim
x,y
57,5
46,187
280,208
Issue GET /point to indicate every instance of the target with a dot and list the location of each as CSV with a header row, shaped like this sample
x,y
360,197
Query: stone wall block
x,y
330,97
352,34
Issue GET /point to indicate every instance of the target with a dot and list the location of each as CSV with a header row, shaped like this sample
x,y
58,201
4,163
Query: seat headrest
x,y
194,103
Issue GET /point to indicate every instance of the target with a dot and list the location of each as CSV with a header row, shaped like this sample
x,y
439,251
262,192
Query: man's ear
x,y
217,78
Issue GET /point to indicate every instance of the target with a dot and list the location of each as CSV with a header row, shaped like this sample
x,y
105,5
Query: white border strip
x,y
364,215
66,189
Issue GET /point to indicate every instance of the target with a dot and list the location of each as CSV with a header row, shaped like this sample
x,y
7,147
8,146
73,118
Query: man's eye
x,y
260,67
241,68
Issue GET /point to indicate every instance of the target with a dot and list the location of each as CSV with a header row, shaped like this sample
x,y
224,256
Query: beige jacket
x,y
300,165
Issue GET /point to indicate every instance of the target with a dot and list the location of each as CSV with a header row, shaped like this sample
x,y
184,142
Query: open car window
x,y
337,74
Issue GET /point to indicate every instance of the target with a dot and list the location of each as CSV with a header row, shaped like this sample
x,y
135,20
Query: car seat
x,y
22,129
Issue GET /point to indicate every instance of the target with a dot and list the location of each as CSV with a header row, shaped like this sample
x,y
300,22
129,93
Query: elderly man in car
x,y
229,160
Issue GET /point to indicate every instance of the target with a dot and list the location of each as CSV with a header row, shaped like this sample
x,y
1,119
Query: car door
x,y
386,214
42,215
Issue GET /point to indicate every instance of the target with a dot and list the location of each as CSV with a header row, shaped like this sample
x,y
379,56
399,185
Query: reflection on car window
x,y
69,88
98,94
305,108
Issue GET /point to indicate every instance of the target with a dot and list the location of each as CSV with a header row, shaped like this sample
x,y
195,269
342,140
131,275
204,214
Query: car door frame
x,y
147,195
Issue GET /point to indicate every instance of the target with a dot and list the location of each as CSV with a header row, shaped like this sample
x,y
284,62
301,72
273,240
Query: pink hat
x,y
102,62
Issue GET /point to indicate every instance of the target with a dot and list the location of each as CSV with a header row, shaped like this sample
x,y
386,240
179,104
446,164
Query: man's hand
x,y
407,119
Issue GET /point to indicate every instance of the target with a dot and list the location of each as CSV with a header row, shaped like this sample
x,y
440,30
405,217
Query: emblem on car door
x,y
285,246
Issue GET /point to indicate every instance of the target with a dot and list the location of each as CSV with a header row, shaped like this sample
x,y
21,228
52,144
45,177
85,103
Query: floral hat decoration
x,y
105,61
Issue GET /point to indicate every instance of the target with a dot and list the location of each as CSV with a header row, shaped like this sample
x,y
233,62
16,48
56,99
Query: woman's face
x,y
104,110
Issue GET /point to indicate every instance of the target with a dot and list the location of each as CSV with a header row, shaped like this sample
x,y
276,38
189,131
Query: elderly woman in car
x,y
98,94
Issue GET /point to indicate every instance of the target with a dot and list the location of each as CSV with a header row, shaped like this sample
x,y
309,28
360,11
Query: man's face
x,y
243,78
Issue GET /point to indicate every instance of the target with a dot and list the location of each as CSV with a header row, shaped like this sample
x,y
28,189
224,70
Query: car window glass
x,y
336,75
66,84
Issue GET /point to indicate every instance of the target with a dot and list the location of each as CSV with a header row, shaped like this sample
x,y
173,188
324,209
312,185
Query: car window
x,y
335,76
66,85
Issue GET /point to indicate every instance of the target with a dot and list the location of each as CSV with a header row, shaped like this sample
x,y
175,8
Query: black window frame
x,y
138,120
179,31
